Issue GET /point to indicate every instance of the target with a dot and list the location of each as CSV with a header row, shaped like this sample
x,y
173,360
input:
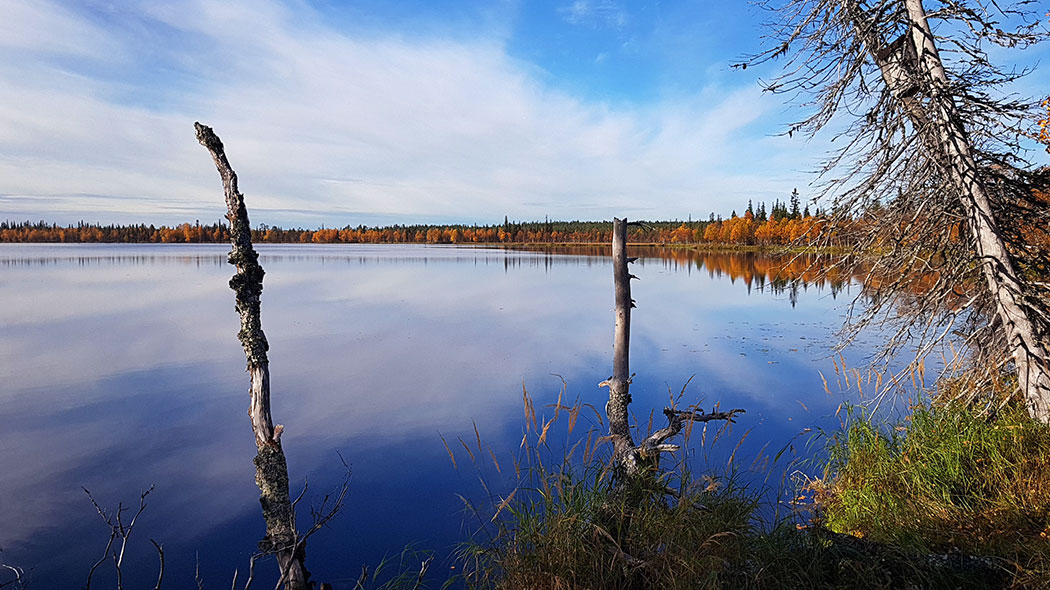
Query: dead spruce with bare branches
x,y
931,193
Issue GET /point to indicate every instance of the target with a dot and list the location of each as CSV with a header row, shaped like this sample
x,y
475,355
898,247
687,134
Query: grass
x,y
564,527
947,481
905,508
567,532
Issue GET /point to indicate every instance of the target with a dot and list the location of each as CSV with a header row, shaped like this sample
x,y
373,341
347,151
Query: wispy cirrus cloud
x,y
596,13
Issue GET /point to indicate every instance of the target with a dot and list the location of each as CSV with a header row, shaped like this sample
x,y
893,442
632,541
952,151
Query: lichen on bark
x,y
271,467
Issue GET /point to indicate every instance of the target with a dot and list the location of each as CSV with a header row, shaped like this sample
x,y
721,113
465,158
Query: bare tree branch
x,y
19,574
676,420
160,570
119,530
360,583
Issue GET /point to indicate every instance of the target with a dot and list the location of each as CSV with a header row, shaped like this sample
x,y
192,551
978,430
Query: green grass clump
x,y
573,534
947,481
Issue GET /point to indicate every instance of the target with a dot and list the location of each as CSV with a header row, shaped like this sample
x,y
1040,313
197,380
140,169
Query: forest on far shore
x,y
784,223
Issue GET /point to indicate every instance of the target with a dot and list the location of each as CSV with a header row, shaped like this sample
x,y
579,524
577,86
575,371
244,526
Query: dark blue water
x,y
120,370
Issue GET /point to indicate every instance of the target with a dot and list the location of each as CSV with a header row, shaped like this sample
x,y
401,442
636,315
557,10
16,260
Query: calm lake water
x,y
120,369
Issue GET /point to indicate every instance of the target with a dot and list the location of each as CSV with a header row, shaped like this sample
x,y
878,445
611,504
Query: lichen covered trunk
x,y
271,468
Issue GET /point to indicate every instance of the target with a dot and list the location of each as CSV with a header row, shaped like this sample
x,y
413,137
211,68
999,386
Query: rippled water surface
x,y
120,369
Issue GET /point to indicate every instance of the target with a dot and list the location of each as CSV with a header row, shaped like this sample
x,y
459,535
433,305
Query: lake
x,y
120,369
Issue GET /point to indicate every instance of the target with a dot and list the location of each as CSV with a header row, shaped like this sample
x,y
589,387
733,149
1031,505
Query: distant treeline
x,y
754,227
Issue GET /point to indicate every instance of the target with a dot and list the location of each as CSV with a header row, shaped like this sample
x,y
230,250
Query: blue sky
x,y
379,112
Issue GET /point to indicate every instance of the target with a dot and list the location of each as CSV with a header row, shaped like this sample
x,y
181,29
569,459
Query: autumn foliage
x,y
783,227
1043,135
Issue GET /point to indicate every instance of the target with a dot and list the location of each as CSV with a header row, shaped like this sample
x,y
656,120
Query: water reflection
x,y
119,368
777,272
98,255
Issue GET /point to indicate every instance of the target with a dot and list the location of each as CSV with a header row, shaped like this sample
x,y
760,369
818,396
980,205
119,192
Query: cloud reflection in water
x,y
121,369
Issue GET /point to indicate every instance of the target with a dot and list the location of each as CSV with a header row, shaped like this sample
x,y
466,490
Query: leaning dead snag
x,y
942,133
271,469
913,72
934,190
630,460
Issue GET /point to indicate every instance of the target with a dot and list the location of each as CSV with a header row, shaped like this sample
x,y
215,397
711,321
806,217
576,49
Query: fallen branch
x,y
676,420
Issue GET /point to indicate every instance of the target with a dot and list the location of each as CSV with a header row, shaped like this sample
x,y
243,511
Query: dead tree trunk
x,y
630,460
271,469
633,466
933,113
620,383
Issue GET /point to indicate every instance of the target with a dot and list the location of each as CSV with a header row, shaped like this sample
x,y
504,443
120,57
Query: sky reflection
x,y
120,370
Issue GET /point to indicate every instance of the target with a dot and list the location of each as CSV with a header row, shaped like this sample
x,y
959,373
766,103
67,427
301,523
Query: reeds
x,y
562,525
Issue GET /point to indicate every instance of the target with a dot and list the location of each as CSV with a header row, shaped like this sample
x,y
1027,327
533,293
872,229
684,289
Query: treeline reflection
x,y
762,270
778,273
765,271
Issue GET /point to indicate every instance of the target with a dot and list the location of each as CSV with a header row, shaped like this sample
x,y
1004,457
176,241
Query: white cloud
x,y
598,14
42,26
338,127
